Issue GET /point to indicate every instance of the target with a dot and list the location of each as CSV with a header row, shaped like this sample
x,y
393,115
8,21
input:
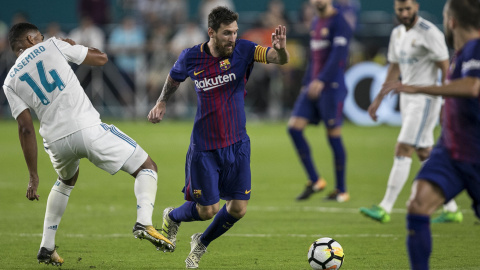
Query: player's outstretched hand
x,y
279,38
32,189
157,112
70,41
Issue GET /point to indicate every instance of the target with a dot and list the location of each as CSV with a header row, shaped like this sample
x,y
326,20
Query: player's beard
x,y
449,38
222,50
321,7
408,22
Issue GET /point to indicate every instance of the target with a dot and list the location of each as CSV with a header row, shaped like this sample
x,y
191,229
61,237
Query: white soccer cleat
x,y
170,227
196,252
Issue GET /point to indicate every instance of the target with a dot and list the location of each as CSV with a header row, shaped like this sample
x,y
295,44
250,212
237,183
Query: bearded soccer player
x,y
417,51
454,164
322,96
218,160
43,80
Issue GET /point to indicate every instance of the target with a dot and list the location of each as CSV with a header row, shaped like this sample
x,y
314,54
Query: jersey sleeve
x,y
337,56
437,47
391,56
253,51
179,71
73,53
17,105
471,64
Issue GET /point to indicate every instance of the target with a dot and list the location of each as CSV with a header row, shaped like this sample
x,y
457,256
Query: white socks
x,y
56,204
396,181
145,191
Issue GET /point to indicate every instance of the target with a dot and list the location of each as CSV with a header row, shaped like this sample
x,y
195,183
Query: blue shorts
x,y
452,176
218,174
328,107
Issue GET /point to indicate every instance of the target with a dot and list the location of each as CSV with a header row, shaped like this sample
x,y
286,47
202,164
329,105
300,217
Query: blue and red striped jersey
x,y
220,85
461,121
329,41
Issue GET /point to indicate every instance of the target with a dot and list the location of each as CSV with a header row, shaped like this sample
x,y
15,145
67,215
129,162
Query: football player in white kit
x,y
42,80
417,50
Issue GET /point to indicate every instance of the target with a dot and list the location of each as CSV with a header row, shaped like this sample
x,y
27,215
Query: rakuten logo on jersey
x,y
210,83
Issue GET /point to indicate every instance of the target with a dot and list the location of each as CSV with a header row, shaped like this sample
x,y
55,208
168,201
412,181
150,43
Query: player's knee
x,y
238,213
423,153
208,212
403,150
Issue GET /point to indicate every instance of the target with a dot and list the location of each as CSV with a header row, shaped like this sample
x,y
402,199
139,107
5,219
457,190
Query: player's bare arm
x,y
465,87
393,74
279,54
315,88
28,141
95,57
158,111
443,66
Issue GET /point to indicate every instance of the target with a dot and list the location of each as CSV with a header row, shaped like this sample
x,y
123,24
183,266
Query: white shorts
x,y
104,145
420,115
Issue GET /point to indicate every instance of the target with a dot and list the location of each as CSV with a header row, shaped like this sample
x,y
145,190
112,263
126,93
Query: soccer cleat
x,y
449,217
311,188
338,196
49,257
170,227
376,213
151,234
196,252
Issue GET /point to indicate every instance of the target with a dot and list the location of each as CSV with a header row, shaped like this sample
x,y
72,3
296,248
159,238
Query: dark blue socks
x,y
185,213
419,241
340,158
303,151
222,222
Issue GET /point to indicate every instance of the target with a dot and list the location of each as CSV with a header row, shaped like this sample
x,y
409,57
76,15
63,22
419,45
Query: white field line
x,y
316,209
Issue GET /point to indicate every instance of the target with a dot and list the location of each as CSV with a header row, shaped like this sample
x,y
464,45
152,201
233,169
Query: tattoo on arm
x,y
168,89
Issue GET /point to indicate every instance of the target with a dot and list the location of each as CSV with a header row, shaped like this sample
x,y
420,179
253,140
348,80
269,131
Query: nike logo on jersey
x,y
211,83
247,191
196,73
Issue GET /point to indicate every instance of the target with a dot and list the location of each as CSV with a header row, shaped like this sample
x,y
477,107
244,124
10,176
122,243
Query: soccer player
x,y
454,164
322,96
417,50
42,80
218,159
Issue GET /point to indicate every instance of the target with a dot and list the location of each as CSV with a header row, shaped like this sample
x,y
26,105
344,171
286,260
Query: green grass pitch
x,y
276,232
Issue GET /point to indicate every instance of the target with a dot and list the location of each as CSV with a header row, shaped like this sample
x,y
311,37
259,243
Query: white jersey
x,y
416,52
43,80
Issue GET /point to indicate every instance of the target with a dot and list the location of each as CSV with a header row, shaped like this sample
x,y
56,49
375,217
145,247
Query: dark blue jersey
x,y
220,86
461,121
329,40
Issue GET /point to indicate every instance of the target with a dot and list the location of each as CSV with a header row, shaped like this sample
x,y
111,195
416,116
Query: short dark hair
x,y
221,15
17,32
467,12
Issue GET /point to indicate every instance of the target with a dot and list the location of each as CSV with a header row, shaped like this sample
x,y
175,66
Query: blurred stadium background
x,y
144,37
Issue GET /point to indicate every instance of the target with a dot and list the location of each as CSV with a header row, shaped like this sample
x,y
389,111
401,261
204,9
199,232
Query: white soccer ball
x,y
325,253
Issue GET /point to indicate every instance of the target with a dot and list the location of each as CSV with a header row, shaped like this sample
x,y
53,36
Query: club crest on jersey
x,y
197,193
225,64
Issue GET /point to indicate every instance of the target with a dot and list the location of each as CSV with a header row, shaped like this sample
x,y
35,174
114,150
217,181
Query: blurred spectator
x,y
275,15
19,17
88,34
187,36
206,6
97,10
160,59
171,12
54,30
126,44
